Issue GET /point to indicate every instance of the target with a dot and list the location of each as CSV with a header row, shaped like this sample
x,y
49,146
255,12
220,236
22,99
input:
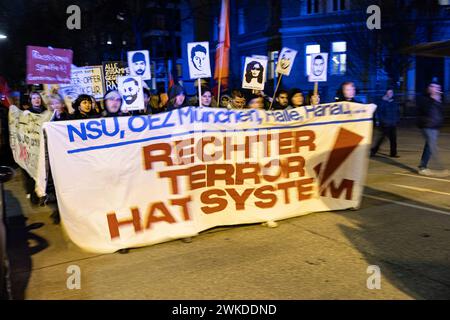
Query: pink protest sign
x,y
48,65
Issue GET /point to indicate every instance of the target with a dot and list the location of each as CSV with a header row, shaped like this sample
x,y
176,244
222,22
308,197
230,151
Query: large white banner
x,y
26,140
135,181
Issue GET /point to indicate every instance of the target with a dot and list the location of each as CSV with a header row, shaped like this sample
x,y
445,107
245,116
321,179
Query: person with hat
x,y
113,102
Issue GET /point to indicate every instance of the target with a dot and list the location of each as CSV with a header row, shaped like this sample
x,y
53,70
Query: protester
x,y
83,107
281,100
346,92
388,117
255,101
60,113
312,99
113,102
225,101
157,104
147,97
96,108
430,120
36,103
237,99
58,107
36,107
296,98
206,98
177,97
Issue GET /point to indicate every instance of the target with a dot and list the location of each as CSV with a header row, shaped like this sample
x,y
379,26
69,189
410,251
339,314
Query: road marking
x,y
419,176
407,204
421,189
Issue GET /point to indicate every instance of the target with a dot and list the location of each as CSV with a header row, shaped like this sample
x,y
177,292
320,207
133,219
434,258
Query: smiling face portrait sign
x,y
285,61
131,90
199,64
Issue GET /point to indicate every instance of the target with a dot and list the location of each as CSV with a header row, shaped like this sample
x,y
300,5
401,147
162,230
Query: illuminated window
x,y
339,57
310,49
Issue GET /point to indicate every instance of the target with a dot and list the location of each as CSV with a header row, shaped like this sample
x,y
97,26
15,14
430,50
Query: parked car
x,y
6,173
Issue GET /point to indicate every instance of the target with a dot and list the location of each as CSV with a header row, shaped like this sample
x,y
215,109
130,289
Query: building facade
x,y
372,58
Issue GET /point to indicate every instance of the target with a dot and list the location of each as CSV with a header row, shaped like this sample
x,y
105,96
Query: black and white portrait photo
x,y
254,75
319,68
139,64
131,90
285,61
199,64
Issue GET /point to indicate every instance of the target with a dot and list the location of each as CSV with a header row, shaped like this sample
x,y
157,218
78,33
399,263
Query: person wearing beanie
x,y
113,102
177,97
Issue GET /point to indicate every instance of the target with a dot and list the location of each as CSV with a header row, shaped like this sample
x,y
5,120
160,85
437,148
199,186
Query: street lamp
x,y
3,36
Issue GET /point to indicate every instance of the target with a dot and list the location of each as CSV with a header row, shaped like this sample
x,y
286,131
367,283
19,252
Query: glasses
x,y
254,68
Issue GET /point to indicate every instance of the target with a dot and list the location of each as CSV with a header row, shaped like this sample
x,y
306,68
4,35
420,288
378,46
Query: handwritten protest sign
x,y
27,145
134,181
48,65
112,70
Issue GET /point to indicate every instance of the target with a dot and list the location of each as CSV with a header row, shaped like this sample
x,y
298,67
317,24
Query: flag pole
x,y
220,74
276,89
199,93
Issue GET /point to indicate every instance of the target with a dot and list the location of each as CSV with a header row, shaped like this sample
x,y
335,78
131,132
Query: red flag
x,y
222,70
5,98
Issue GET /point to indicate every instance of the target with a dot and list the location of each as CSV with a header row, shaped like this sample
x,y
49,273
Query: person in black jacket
x,y
346,92
84,108
37,107
177,97
388,117
430,120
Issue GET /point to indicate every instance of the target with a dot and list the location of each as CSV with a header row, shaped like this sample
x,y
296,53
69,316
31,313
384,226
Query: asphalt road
x,y
403,227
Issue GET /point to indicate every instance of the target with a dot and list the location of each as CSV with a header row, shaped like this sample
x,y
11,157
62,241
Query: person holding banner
x,y
206,98
281,100
84,108
296,98
113,102
255,101
177,97
312,99
58,107
36,102
237,99
37,107
347,92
